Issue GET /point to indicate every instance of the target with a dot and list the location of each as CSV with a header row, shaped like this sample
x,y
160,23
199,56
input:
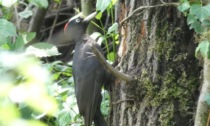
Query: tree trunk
x,y
156,47
202,113
87,8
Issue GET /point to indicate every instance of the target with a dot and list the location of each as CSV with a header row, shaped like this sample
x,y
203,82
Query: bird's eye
x,y
77,20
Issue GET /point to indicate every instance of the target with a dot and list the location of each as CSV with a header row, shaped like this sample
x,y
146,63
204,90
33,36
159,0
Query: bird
x,y
88,73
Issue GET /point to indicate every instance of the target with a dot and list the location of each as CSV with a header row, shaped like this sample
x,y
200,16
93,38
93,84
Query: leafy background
x,y
37,93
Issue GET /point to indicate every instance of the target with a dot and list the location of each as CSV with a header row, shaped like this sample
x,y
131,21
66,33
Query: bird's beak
x,y
89,17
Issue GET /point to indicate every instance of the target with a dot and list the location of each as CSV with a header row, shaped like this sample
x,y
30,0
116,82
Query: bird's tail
x,y
99,119
96,115
95,102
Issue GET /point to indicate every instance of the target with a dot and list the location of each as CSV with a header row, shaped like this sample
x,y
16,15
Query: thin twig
x,y
148,7
58,24
106,22
16,16
208,120
29,7
36,19
59,12
55,20
112,70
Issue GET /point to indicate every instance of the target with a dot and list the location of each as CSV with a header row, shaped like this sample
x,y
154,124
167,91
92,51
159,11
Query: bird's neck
x,y
82,38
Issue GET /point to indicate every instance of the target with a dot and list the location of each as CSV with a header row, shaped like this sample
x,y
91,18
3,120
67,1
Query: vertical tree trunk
x,y
202,113
87,8
157,47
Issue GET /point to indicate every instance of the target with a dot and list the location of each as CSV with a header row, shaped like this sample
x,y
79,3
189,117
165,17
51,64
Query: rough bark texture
x,y
158,48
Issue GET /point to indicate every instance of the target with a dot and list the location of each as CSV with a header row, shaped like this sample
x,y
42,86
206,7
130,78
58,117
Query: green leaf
x,y
113,2
64,118
207,8
22,40
197,27
206,23
117,42
207,98
4,40
7,28
102,4
116,37
203,49
40,3
111,56
184,6
5,47
25,111
25,13
19,43
57,1
7,13
42,50
201,12
114,28
105,102
30,36
191,19
99,15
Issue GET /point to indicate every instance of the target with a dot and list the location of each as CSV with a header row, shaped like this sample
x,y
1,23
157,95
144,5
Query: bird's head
x,y
77,25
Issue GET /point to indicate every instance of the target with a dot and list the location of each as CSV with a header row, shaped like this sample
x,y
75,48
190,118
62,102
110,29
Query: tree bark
x,y
156,47
202,113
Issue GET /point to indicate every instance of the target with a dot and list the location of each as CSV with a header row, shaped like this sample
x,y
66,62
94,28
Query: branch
x,y
36,22
16,17
20,19
112,70
202,107
63,9
147,7
87,8
37,19
55,21
58,24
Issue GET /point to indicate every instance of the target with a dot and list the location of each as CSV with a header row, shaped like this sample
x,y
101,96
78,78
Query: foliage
x,y
22,73
63,91
7,28
23,82
112,33
198,14
39,3
203,49
14,40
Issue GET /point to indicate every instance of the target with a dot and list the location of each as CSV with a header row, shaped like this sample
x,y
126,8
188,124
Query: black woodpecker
x,y
88,73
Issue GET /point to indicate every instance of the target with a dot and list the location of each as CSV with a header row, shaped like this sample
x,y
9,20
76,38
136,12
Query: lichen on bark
x,y
159,53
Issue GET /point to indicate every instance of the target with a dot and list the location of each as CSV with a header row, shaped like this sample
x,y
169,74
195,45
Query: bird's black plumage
x,y
89,74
